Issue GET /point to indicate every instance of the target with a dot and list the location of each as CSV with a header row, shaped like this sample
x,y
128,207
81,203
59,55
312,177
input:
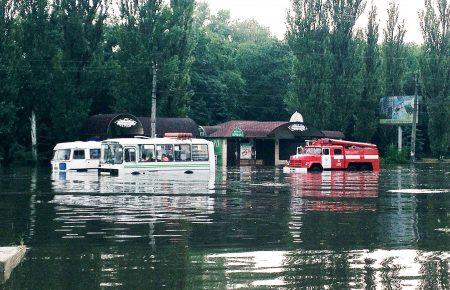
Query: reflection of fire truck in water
x,y
328,154
338,191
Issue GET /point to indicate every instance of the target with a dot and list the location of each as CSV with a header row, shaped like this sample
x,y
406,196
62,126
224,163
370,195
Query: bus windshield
x,y
112,153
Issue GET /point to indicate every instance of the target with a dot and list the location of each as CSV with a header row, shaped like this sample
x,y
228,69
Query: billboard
x,y
397,110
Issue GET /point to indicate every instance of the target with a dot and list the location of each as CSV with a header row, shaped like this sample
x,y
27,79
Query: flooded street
x,y
242,228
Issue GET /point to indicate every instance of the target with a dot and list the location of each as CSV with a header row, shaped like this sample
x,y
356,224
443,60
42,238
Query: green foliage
x,y
68,59
394,52
394,156
240,70
435,72
366,115
309,39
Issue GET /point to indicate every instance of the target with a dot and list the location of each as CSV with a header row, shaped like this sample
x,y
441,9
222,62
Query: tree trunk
x,y
33,137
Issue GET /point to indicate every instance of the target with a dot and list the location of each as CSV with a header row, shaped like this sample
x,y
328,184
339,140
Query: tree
x,y
216,81
154,33
366,115
8,79
435,72
393,52
346,69
79,63
266,67
309,39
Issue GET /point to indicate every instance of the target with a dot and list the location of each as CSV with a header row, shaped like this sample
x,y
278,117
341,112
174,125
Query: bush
x,y
394,156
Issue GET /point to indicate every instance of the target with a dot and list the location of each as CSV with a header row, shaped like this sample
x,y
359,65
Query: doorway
x,y
265,150
233,152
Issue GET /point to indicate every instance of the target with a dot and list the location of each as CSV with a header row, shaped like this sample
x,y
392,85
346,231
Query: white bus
x,y
141,155
76,156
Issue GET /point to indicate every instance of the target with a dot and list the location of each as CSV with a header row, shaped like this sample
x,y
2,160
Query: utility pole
x,y
414,122
153,116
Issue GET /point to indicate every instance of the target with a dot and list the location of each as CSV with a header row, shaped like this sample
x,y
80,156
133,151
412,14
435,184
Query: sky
x,y
272,13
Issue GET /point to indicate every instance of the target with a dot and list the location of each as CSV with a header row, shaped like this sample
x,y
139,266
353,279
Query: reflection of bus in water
x,y
334,191
160,182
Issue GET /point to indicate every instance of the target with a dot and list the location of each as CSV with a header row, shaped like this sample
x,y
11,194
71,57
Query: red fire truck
x,y
331,154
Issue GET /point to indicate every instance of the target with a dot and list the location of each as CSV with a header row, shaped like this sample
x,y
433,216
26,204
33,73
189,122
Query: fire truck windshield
x,y
312,150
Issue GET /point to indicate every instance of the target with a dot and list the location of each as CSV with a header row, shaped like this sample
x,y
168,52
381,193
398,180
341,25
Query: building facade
x,y
261,143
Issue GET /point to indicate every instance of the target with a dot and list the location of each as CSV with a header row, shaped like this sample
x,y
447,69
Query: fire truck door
x,y
326,158
338,158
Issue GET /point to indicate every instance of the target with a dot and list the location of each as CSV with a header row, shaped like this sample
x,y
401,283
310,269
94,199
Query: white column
x,y
224,152
400,138
277,152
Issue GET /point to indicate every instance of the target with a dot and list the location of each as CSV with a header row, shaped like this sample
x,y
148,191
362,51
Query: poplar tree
x,y
308,37
435,72
366,114
393,52
346,63
81,25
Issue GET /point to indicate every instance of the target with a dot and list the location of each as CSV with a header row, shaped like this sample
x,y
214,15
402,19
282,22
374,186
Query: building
x,y
236,142
104,126
261,143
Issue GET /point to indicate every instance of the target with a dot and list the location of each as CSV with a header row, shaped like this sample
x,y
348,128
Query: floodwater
x,y
242,228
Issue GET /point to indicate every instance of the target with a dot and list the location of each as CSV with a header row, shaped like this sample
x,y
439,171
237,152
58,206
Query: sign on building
x,y
237,132
397,110
246,151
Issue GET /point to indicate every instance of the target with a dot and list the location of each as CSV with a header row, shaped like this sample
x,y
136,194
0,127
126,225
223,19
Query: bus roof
x,y
143,140
78,145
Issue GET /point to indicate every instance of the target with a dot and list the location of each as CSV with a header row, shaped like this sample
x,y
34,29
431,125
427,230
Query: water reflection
x,y
254,228
176,182
337,191
118,205
362,269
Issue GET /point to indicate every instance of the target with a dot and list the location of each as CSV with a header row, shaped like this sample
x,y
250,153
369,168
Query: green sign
x,y
218,150
237,132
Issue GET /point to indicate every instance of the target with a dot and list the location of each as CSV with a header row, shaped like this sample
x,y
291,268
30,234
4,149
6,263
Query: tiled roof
x,y
250,128
257,129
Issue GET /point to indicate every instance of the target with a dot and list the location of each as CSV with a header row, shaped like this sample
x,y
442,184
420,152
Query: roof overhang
x,y
296,130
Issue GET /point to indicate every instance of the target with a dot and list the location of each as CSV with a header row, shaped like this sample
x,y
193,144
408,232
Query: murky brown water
x,y
242,228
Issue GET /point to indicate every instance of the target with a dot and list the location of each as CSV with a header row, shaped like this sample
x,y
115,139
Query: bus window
x,y
182,152
164,153
200,152
78,154
147,153
112,153
63,155
94,153
130,155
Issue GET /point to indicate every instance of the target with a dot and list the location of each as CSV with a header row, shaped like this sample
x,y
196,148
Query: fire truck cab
x,y
331,154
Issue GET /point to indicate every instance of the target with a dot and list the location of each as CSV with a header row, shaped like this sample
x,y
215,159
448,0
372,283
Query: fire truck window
x,y
326,151
337,151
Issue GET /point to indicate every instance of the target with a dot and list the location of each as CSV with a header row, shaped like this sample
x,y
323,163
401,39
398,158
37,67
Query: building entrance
x,y
265,150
